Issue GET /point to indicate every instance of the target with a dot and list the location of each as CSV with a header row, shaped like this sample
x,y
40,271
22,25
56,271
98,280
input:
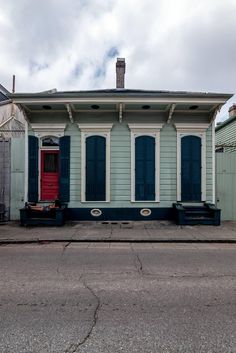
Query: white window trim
x,y
43,130
152,130
193,130
88,130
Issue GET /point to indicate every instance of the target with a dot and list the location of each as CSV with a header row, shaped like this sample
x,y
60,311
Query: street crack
x,y
137,261
61,257
73,348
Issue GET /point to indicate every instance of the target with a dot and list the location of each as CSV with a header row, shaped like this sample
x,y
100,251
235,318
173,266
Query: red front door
x,y
49,175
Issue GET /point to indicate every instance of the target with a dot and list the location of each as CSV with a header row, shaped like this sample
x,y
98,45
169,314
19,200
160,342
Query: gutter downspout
x,y
26,161
213,163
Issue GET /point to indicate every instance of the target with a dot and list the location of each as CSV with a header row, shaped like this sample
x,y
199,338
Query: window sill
x,y
146,201
95,201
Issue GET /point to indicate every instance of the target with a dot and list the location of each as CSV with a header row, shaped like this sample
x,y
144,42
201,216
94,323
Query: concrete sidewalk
x,y
145,231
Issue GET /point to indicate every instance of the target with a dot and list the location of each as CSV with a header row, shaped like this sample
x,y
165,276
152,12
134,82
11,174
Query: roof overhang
x,y
122,101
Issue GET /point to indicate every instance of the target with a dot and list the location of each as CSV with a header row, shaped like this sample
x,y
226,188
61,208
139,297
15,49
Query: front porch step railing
x,y
207,214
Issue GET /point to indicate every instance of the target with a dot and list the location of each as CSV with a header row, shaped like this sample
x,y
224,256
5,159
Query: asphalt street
x,y
99,298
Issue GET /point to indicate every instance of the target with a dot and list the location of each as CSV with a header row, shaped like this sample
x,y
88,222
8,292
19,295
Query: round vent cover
x,y
145,212
95,212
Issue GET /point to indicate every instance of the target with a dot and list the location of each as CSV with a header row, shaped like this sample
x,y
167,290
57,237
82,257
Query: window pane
x,y
51,163
50,141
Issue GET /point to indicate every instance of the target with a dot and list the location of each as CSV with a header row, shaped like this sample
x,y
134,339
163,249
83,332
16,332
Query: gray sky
x,y
73,44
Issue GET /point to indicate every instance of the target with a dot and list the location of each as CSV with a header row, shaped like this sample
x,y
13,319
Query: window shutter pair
x,y
191,168
145,168
64,169
95,168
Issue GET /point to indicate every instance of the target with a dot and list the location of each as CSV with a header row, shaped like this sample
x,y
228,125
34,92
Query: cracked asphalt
x,y
98,298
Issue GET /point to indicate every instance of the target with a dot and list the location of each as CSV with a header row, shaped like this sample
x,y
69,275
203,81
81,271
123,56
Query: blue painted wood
x,y
144,168
207,214
120,214
53,217
191,168
64,169
95,168
33,169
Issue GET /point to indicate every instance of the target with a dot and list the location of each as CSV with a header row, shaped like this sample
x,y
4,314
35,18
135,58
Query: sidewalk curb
x,y
100,240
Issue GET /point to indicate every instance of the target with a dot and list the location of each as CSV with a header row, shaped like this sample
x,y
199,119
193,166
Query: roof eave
x,y
8,101
116,99
225,123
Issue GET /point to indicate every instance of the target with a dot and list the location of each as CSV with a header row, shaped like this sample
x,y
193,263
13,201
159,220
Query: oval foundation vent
x,y
145,212
95,212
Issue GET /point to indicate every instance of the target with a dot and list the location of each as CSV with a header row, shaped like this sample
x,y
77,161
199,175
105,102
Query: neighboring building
x,y
226,166
3,94
226,133
12,127
9,123
116,154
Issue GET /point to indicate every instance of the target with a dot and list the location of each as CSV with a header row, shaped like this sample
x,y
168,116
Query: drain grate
x,y
115,223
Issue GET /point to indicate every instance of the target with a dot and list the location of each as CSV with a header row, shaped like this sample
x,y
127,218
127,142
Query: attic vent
x,y
95,106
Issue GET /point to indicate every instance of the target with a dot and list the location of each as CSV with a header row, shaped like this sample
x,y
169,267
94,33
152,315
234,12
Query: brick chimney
x,y
232,110
120,73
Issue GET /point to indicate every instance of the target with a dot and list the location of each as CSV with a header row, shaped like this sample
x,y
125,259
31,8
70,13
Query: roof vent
x,y
120,73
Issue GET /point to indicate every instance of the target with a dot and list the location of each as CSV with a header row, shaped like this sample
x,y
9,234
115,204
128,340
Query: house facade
x,y
226,133
117,154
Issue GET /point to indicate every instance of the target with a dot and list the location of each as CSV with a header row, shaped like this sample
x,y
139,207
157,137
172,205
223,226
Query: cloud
x,y
168,44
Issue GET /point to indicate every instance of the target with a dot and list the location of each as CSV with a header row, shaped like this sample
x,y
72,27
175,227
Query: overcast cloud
x,y
73,44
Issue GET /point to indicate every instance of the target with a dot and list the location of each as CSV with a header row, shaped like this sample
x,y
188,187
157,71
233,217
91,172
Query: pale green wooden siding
x,y
168,165
225,184
227,135
120,165
75,164
17,177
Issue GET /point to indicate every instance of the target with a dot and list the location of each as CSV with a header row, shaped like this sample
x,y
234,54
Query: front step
x,y
206,214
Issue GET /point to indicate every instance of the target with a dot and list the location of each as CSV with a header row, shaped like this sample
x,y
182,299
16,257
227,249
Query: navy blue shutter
x,y
145,168
96,168
64,169
33,169
191,168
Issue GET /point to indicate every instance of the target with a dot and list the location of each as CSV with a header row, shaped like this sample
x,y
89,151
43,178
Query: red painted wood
x,y
49,175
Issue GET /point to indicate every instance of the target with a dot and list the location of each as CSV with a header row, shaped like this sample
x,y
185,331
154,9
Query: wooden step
x,y
205,214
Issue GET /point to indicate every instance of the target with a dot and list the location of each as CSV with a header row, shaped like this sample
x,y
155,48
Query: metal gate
x,y
5,175
226,184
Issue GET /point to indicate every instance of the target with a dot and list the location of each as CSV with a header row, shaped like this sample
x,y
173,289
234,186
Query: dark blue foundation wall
x,y
119,214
